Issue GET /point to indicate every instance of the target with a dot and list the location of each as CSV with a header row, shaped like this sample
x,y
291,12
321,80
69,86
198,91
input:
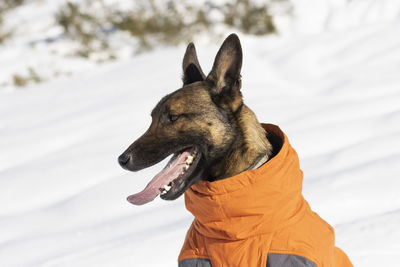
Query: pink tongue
x,y
166,176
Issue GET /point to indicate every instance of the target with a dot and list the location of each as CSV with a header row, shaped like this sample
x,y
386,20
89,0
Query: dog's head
x,y
196,124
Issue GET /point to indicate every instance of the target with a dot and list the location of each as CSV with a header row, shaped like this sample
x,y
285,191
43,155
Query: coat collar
x,y
253,202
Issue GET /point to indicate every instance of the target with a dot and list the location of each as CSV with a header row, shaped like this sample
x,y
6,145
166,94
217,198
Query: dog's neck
x,y
250,148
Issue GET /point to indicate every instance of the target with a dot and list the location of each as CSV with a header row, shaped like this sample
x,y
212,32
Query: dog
x,y
224,161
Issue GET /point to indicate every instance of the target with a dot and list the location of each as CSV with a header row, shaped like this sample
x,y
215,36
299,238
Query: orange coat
x,y
240,220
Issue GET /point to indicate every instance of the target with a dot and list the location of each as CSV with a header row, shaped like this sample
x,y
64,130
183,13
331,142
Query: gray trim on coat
x,y
287,260
274,260
195,263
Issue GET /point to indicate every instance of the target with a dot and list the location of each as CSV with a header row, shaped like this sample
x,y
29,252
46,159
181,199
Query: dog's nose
x,y
124,159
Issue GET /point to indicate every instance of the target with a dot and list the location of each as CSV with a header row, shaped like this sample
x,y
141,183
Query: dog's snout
x,y
123,160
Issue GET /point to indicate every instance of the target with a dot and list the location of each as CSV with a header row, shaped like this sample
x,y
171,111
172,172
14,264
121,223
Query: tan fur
x,y
247,149
254,134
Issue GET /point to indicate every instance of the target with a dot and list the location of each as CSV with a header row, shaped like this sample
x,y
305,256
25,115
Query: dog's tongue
x,y
172,171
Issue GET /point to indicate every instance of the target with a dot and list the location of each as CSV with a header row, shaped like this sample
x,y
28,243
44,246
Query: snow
x,y
334,89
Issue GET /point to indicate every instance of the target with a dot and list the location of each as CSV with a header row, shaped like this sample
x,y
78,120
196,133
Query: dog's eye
x,y
173,118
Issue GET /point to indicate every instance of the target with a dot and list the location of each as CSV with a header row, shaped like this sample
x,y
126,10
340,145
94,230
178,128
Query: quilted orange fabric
x,y
239,220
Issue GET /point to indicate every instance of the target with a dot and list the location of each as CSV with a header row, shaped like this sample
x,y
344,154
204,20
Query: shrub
x,y
170,23
83,27
23,80
249,17
3,34
5,6
153,22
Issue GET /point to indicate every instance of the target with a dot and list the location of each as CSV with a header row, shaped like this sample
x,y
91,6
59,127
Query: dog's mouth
x,y
173,180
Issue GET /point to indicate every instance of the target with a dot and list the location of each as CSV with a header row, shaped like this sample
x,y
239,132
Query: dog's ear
x,y
191,67
224,78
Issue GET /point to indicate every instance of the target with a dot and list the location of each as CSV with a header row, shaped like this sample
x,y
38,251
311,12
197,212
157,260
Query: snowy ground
x,y
335,92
